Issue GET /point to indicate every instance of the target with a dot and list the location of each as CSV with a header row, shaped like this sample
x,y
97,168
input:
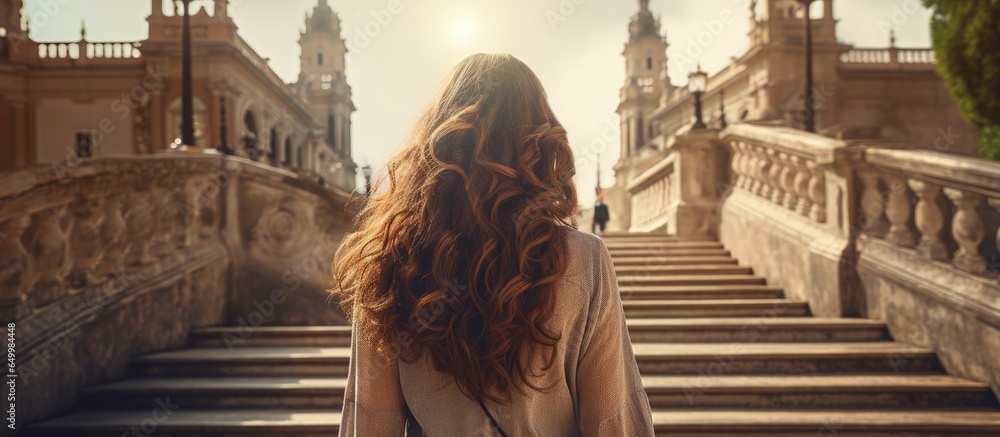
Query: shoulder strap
x,y
493,421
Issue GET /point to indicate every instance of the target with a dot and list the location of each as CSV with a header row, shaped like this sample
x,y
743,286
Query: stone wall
x,y
102,260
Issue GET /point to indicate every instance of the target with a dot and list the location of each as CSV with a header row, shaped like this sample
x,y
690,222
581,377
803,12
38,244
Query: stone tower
x,y
646,79
323,83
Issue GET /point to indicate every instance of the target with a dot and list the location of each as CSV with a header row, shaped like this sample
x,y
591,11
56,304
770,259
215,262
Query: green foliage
x,y
966,36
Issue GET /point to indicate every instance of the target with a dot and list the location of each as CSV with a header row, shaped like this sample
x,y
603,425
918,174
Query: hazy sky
x,y
399,59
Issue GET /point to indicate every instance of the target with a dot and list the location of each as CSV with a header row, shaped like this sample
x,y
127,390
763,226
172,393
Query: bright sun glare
x,y
463,30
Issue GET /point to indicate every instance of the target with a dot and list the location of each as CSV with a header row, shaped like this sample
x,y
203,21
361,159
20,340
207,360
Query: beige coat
x,y
596,389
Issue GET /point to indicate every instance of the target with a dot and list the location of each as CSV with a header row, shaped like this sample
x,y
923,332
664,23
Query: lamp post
x,y
367,171
697,83
809,118
187,91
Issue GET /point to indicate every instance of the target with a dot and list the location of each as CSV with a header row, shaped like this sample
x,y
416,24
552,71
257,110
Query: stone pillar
x,y
702,168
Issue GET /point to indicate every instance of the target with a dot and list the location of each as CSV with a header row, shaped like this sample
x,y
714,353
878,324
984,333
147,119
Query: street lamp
x,y
809,119
367,171
697,83
187,89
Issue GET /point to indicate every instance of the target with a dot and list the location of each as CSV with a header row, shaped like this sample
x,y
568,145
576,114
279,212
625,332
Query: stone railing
x,y
866,56
104,259
910,197
881,58
788,172
89,50
652,196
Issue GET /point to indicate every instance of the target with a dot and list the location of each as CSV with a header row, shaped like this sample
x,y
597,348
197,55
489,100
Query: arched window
x,y
319,59
299,159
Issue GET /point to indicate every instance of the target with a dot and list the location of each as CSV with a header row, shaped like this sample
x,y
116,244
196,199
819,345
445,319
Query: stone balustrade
x,y
934,203
104,259
652,196
891,55
89,50
787,172
866,56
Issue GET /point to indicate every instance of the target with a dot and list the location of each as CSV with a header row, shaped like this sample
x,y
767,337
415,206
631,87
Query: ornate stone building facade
x,y
65,101
891,94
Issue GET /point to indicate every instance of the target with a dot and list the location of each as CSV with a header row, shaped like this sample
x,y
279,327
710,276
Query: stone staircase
x,y
722,353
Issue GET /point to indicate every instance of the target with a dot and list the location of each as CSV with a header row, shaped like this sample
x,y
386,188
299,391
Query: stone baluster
x,y
746,168
140,229
49,248
899,211
115,235
817,193
86,245
788,181
995,204
737,164
803,177
758,168
968,230
777,194
929,219
763,173
873,221
15,268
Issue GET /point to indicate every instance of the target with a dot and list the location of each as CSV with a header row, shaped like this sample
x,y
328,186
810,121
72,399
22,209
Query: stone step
x,y
700,391
656,245
716,308
217,392
804,392
628,236
696,292
672,261
655,255
308,423
755,330
720,359
720,423
194,423
249,361
700,269
323,336
694,280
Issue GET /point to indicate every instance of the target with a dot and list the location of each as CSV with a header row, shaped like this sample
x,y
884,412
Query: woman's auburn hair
x,y
457,250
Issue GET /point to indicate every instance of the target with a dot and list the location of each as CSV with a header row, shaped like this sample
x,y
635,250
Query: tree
x,y
966,36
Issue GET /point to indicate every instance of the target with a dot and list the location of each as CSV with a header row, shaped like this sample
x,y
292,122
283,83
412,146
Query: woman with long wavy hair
x,y
477,309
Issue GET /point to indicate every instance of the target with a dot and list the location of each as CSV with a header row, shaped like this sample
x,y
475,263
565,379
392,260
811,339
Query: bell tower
x,y
646,79
323,82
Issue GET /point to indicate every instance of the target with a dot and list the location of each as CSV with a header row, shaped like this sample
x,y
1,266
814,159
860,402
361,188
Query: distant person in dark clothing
x,y
601,215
